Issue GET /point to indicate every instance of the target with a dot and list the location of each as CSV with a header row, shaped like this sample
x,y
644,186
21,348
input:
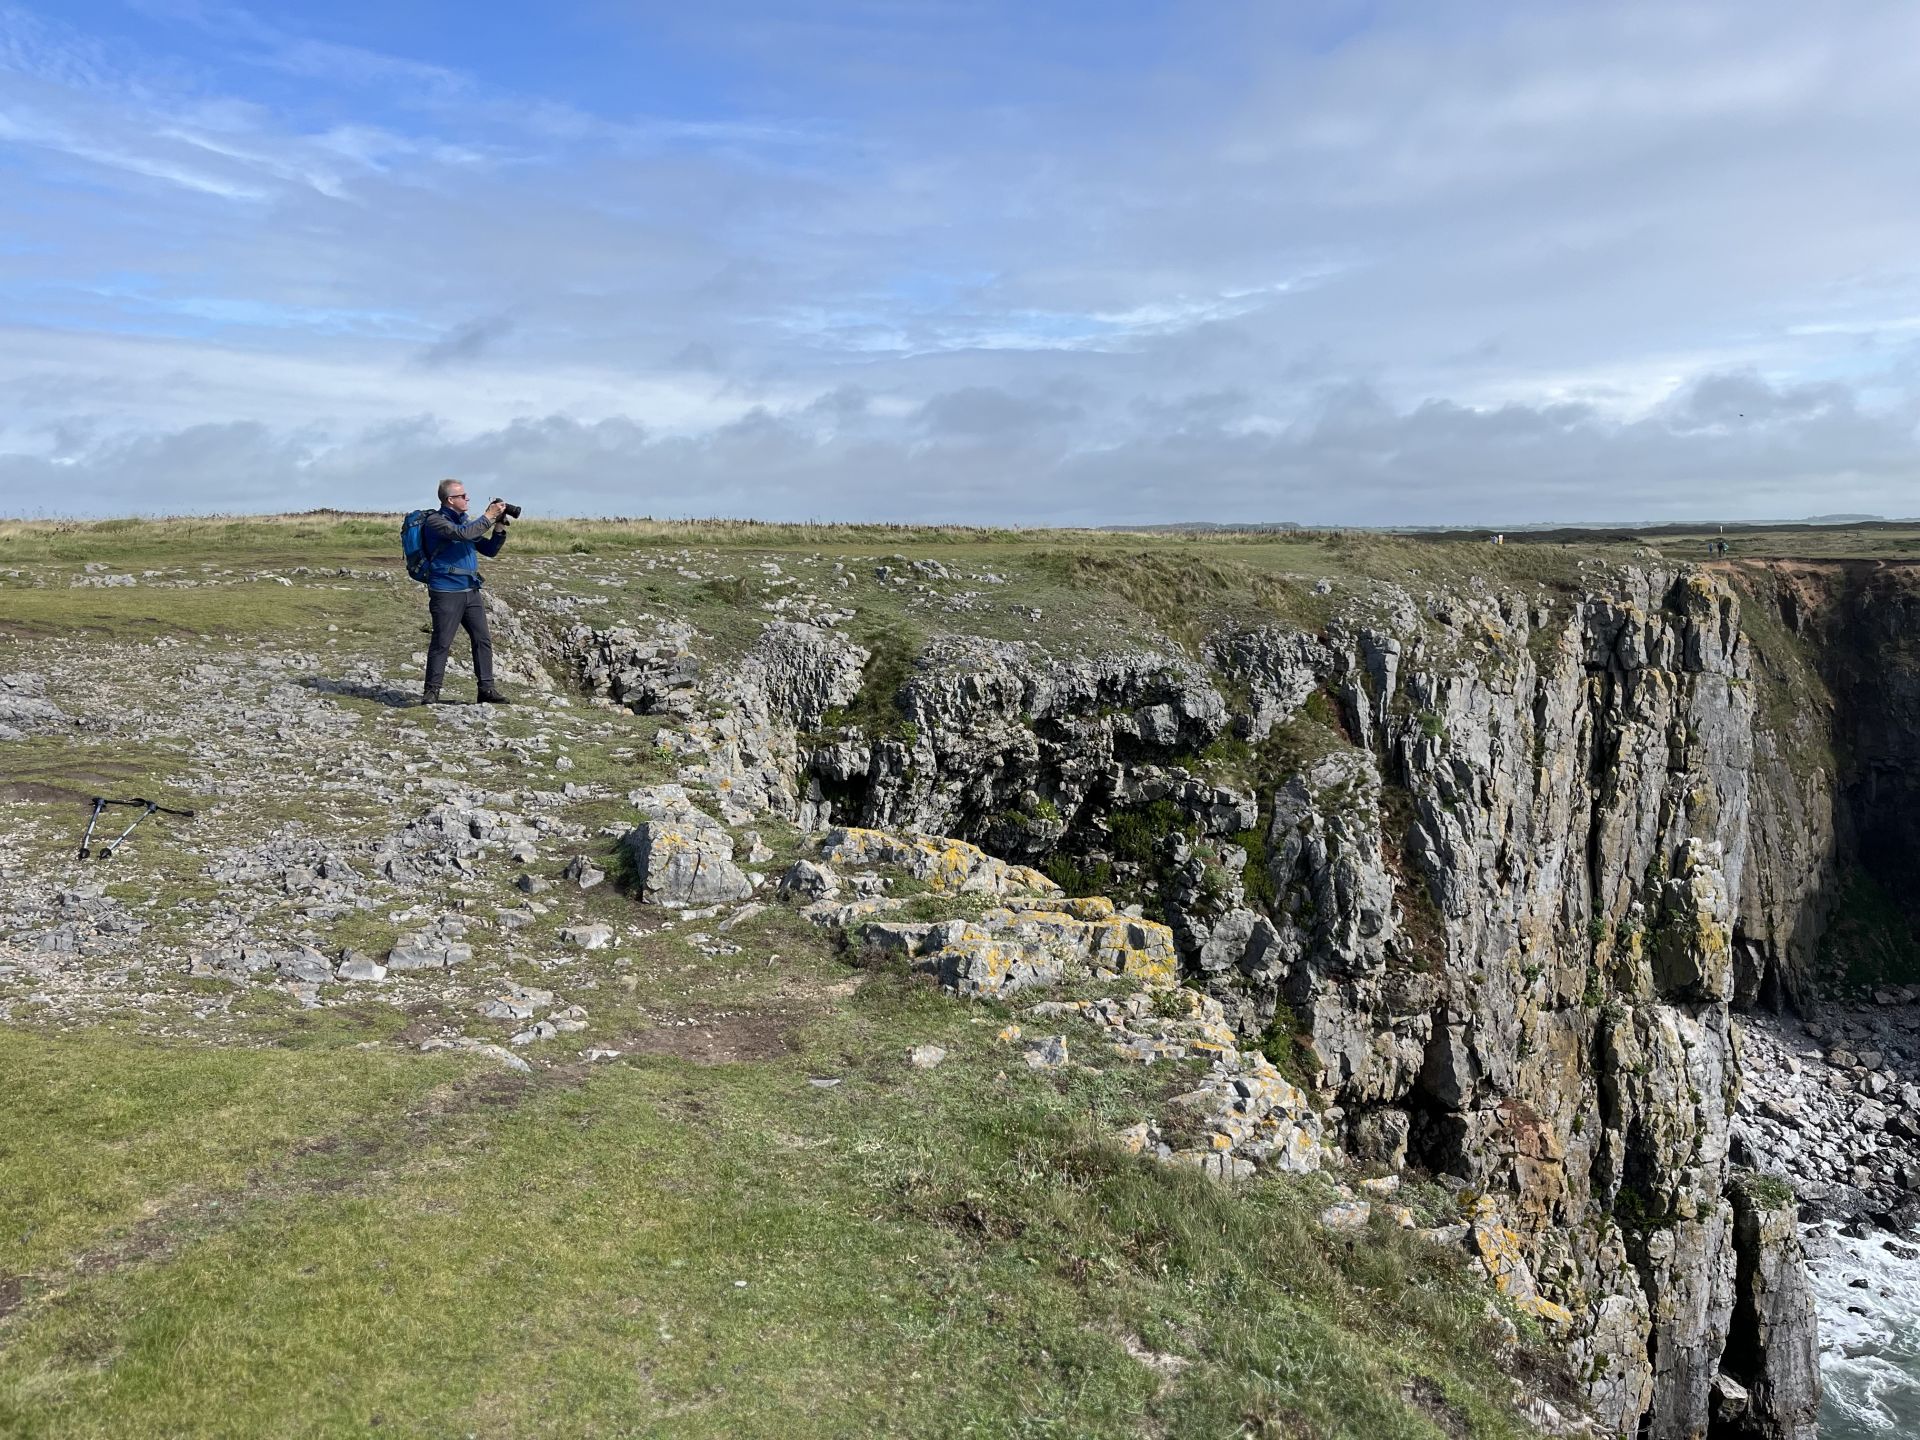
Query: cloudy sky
x,y
1073,262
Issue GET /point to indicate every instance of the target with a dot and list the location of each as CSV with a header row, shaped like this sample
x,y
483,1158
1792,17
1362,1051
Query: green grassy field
x,y
334,1241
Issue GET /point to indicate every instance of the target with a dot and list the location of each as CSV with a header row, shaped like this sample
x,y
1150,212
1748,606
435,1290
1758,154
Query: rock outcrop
x,y
24,705
1001,743
1031,942
1771,1345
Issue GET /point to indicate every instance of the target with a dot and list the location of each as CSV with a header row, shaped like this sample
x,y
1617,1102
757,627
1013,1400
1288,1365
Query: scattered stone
x,y
518,1002
360,968
925,1057
1347,1217
741,916
584,872
1048,1054
478,1047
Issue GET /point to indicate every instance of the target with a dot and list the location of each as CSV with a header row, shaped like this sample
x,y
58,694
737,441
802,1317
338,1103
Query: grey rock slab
x,y
477,1047
583,872
306,965
741,916
1048,1054
427,952
809,881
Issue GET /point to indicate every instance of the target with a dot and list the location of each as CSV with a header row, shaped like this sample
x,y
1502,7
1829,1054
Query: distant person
x,y
453,544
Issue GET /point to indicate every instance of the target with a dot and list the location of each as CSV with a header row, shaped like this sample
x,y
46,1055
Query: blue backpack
x,y
413,544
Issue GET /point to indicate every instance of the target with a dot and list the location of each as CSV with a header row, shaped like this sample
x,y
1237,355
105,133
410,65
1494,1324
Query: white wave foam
x,y
1869,1335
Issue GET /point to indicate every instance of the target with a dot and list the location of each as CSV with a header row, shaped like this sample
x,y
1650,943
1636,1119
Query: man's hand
x,y
496,510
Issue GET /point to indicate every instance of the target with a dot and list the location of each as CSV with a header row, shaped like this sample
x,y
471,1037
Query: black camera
x,y
507,512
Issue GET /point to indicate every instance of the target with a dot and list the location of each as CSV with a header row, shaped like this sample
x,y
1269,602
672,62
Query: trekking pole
x,y
98,806
106,851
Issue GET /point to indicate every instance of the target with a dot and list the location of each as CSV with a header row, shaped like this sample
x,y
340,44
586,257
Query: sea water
x,y
1869,1335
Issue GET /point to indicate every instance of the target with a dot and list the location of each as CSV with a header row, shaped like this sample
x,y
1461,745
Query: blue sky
x,y
1367,263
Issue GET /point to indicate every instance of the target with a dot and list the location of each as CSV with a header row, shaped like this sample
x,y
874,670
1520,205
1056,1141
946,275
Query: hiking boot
x,y
490,696
432,697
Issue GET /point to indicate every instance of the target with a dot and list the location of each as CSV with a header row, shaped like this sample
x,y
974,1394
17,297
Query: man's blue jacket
x,y
453,548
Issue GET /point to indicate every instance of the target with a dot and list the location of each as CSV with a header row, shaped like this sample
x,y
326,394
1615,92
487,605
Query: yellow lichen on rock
x,y
1544,1309
948,866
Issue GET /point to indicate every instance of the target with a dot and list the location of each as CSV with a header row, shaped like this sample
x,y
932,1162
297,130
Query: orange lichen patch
x,y
1140,949
1499,1250
1544,1309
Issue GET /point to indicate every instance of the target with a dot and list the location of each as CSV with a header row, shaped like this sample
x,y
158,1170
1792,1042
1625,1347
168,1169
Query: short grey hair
x,y
443,489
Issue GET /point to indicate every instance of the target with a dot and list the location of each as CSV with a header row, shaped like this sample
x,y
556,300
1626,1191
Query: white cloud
x,y
1509,260
1732,447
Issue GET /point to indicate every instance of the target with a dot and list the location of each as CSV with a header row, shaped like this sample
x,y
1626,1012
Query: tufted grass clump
x,y
1290,1048
876,710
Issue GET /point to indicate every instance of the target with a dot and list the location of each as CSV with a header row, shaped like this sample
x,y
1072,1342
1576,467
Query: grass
x,y
941,1253
1290,1048
104,1133
236,610
1793,699
1766,1192
876,711
65,771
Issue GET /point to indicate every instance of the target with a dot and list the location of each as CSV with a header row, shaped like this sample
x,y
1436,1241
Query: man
x,y
453,586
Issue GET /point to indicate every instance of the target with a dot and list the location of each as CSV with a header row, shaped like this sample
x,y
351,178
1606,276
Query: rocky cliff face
x,y
1573,825
1502,863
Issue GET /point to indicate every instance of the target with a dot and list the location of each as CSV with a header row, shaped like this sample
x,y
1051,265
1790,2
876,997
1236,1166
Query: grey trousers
x,y
452,610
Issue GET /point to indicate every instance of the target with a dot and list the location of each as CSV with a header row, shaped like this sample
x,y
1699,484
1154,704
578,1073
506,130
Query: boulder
x,y
808,882
681,864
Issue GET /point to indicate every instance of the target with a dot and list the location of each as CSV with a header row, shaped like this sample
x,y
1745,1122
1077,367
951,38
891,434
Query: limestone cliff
x,y
1504,862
